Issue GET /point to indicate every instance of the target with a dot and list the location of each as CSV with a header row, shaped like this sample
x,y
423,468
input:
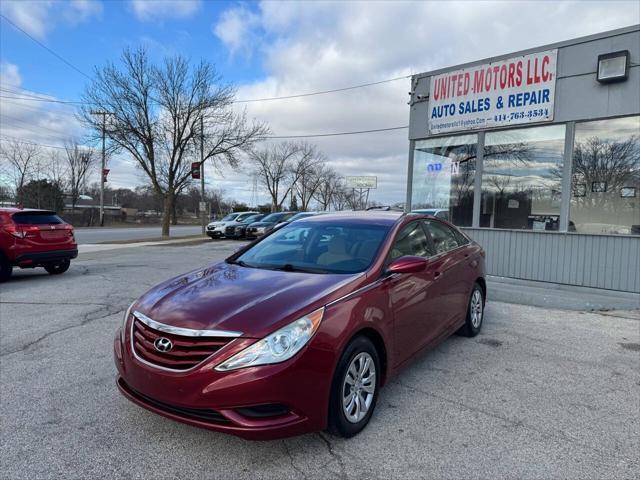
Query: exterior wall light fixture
x,y
613,67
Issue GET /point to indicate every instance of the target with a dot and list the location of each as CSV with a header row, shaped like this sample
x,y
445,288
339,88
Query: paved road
x,y
539,394
98,235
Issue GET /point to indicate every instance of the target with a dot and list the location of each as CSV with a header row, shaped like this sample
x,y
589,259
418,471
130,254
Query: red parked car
x,y
35,238
298,331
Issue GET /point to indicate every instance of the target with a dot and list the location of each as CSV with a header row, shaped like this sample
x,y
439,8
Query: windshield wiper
x,y
242,263
288,267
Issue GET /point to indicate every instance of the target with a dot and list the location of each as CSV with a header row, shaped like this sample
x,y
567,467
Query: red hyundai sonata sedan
x,y
298,331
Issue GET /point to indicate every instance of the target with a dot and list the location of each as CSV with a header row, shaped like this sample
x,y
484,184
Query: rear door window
x,y
37,218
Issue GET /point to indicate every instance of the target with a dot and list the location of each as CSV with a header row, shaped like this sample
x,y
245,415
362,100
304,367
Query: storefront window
x,y
522,177
443,174
605,184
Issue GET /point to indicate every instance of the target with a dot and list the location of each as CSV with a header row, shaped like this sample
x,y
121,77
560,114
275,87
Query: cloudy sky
x,y
272,49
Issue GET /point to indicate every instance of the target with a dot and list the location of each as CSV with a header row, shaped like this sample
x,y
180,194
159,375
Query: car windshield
x,y
298,216
243,216
317,248
251,219
229,217
273,217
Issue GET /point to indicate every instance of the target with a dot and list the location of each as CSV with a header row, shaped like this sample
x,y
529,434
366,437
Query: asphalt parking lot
x,y
540,393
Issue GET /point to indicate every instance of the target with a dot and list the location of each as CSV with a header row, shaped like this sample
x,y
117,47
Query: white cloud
x,y
158,10
81,10
9,75
39,17
31,120
311,46
236,29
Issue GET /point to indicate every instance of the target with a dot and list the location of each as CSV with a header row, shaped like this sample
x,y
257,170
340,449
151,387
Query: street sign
x,y
361,182
105,173
203,206
195,170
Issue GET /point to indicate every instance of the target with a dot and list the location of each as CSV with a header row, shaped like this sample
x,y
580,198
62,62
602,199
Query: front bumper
x,y
256,233
215,233
301,385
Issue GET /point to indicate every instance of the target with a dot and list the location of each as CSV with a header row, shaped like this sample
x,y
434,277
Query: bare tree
x,y
274,167
79,163
22,159
326,191
160,114
55,168
311,173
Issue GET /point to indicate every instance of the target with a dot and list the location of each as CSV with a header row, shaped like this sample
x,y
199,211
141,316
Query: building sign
x,y
508,92
361,182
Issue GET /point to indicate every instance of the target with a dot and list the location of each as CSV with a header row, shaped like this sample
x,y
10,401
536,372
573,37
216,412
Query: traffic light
x,y
195,170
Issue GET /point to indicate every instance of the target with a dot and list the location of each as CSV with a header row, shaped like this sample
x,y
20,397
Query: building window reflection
x,y
606,177
522,177
443,175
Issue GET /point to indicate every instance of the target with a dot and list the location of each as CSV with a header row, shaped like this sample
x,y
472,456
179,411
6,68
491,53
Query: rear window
x,y
37,218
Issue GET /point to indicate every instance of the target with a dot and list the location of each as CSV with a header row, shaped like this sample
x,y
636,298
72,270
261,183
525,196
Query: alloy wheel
x,y
359,387
476,308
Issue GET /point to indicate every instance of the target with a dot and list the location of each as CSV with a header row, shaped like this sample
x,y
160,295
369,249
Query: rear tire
x,y
5,268
475,313
354,389
58,268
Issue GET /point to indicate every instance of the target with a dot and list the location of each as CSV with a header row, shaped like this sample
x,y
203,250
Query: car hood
x,y
253,301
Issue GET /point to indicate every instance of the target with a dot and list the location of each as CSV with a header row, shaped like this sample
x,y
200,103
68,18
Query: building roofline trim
x,y
550,46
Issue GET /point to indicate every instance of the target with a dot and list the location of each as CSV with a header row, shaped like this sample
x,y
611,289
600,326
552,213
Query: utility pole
x,y
104,157
202,201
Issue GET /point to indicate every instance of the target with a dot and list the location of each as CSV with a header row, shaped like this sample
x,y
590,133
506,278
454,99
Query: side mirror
x,y
408,264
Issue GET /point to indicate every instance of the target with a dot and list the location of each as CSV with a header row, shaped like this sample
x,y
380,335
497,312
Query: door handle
x,y
436,275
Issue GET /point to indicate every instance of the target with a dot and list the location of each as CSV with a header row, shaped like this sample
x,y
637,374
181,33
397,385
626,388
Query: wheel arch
x,y
483,285
378,342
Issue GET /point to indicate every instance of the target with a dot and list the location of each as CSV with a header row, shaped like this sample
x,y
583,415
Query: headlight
x,y
281,345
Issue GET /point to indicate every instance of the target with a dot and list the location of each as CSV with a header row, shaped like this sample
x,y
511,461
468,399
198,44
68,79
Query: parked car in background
x,y
298,331
299,216
441,213
257,229
238,228
217,229
35,238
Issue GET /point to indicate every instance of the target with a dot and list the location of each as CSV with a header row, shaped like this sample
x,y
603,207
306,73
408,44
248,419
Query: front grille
x,y
229,231
195,413
187,352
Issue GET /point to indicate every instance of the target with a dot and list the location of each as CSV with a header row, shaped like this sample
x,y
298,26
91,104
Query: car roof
x,y
361,217
20,210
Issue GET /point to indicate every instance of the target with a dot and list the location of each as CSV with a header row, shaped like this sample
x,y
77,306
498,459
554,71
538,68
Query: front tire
x,y
475,313
354,390
58,268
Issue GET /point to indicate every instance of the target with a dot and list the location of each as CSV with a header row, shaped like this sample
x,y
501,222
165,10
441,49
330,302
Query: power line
x,y
59,57
10,138
249,100
32,108
336,134
311,135
48,100
322,92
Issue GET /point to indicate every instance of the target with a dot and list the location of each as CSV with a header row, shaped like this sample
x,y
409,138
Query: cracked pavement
x,y
539,394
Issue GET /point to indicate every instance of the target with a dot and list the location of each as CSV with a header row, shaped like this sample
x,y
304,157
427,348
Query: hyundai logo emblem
x,y
163,344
